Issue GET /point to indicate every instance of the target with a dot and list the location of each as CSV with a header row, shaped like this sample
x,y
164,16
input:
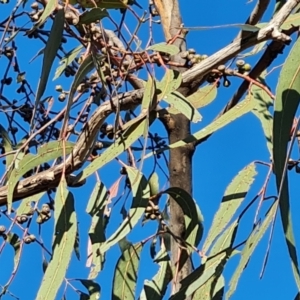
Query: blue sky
x,y
216,162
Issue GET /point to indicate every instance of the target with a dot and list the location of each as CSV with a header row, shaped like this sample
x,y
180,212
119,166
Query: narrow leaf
x,y
182,104
285,107
234,195
125,276
253,240
93,288
65,234
50,51
47,152
170,83
203,96
155,288
93,15
192,214
164,47
141,193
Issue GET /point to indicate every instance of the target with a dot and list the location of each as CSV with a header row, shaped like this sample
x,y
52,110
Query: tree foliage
x,y
88,86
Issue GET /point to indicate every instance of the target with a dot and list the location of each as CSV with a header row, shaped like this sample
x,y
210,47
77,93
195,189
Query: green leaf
x,y
7,145
67,60
192,214
108,4
234,195
292,20
212,267
141,193
93,288
253,240
25,206
14,240
49,9
285,107
93,15
50,51
125,276
170,83
261,111
96,209
182,104
203,96
148,94
85,67
164,47
119,146
155,288
154,184
47,152
65,234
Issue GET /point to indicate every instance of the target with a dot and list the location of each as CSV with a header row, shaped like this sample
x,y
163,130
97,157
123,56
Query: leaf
x,y
245,27
93,288
67,60
170,83
285,107
165,48
154,184
253,240
234,195
50,51
261,111
85,67
182,104
96,209
141,193
109,4
93,15
155,288
125,276
47,152
65,234
14,240
203,96
292,20
7,145
239,110
25,206
212,289
49,9
192,214
118,147
212,267
148,95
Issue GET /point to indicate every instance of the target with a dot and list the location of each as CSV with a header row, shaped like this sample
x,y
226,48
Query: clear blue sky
x,y
216,162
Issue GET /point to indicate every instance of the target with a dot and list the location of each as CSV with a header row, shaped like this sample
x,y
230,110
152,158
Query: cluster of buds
x,y
44,214
193,57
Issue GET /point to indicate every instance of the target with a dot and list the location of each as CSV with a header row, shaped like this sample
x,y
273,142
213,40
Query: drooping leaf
x,y
203,96
119,146
108,4
141,193
25,206
63,244
170,83
285,107
47,152
7,145
93,288
14,240
234,195
182,104
96,209
155,288
164,47
50,7
261,111
67,60
92,15
85,67
50,51
212,267
192,214
253,240
125,276
148,94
